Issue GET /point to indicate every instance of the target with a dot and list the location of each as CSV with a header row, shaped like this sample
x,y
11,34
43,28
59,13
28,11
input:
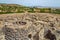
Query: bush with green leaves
x,y
57,11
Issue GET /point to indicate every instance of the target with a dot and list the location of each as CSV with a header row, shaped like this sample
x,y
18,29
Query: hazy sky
x,y
52,3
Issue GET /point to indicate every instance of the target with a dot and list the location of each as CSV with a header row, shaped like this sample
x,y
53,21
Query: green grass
x,y
21,9
57,11
6,12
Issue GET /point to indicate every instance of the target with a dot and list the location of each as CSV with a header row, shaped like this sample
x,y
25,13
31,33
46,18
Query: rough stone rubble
x,y
30,26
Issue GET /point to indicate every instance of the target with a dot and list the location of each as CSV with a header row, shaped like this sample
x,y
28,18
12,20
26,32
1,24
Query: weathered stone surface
x,y
30,26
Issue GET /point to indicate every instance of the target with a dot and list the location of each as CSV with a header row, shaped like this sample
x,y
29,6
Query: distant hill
x,y
15,8
11,8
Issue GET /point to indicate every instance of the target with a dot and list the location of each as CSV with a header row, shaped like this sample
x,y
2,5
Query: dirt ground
x,y
30,26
